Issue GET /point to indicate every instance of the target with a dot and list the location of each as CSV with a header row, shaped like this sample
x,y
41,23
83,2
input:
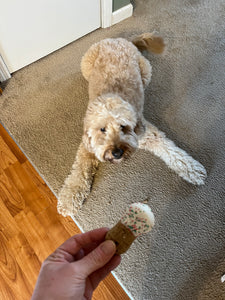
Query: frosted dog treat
x,y
138,219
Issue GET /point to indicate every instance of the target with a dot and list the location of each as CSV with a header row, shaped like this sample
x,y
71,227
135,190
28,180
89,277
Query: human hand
x,y
76,268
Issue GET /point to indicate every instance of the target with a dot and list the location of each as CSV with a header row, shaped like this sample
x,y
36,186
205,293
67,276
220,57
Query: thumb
x,y
96,259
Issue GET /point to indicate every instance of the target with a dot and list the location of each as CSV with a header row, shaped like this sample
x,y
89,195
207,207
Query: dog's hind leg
x,y
145,70
176,159
78,184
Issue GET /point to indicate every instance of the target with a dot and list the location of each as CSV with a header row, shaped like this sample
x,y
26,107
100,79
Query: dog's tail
x,y
150,42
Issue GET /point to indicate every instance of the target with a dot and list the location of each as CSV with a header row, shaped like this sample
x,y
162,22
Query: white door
x,y
31,29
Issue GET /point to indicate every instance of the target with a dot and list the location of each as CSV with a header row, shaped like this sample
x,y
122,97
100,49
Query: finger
x,y
76,242
96,259
100,274
90,247
79,255
60,255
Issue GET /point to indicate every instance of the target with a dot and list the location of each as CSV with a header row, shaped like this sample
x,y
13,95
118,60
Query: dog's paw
x,y
65,208
192,171
70,203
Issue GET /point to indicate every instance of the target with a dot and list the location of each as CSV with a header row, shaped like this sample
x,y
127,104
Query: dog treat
x,y
138,219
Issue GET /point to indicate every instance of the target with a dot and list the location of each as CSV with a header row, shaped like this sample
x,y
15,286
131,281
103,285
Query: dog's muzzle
x,y
115,154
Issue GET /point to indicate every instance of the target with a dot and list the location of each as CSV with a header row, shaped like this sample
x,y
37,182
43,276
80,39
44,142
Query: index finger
x,y
78,241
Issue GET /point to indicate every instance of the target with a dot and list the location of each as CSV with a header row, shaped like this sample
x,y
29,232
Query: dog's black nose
x,y
117,153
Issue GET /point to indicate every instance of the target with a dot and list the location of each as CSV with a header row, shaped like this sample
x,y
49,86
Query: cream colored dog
x,y
114,126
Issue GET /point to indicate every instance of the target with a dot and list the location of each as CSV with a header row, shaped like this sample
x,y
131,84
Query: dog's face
x,y
109,129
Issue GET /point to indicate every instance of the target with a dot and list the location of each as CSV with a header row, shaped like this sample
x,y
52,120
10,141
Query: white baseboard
x,y
109,18
122,14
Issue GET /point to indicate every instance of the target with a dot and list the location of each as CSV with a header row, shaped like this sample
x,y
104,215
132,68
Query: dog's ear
x,y
87,141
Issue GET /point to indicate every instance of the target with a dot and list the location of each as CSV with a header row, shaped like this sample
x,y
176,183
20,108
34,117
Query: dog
x,y
114,126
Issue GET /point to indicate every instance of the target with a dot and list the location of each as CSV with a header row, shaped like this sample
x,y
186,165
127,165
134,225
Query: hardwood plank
x,y
116,290
69,225
12,199
8,225
6,292
35,234
12,275
103,293
6,157
14,149
25,257
33,198
39,182
48,218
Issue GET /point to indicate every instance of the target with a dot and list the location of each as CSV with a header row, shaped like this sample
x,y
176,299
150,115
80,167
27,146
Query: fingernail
x,y
108,247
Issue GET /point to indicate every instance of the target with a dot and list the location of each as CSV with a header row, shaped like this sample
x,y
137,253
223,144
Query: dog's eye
x,y
122,127
103,129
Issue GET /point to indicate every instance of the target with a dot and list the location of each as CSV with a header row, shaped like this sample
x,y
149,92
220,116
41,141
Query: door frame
x,y
4,72
109,18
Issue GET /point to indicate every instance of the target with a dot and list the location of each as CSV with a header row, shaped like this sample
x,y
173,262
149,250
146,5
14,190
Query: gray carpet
x,y
43,106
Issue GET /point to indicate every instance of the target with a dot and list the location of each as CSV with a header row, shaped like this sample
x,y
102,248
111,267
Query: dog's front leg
x,y
177,159
78,184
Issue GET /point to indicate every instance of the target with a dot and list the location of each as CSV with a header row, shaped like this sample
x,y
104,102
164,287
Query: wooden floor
x,y
30,227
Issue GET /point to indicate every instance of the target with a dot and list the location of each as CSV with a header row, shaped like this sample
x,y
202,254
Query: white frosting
x,y
138,218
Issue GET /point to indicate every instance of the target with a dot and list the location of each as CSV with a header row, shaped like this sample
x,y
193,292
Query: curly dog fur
x,y
114,126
